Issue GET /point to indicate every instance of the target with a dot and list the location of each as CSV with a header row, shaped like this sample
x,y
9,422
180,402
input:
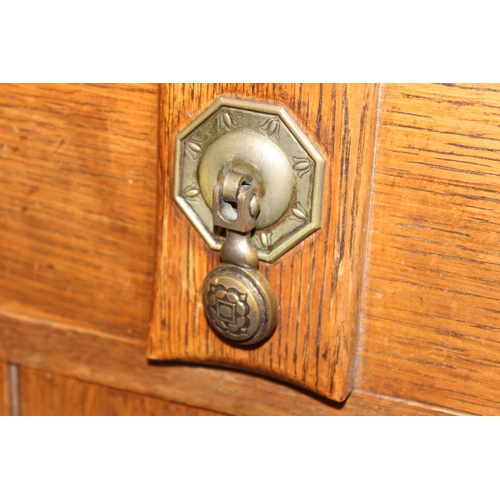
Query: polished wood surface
x,y
119,362
4,390
432,305
80,231
317,284
77,204
46,394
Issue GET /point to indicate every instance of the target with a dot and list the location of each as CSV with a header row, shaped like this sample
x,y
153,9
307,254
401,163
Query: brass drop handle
x,y
249,168
239,302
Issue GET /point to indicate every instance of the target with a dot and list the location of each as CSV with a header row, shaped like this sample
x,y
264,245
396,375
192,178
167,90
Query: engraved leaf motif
x,y
192,192
299,213
266,238
272,127
301,165
193,148
226,119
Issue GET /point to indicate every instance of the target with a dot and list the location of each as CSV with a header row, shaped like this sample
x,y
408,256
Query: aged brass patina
x,y
256,155
238,300
260,140
251,183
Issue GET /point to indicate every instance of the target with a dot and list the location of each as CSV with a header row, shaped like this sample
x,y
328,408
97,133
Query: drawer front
x,y
317,283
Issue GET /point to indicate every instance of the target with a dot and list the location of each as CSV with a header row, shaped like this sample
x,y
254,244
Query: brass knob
x,y
239,302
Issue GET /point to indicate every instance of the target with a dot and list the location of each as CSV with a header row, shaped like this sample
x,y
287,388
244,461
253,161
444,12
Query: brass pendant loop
x,y
238,300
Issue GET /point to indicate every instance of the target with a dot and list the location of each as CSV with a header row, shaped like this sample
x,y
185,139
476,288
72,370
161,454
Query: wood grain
x,y
317,284
43,393
78,201
119,362
432,316
4,390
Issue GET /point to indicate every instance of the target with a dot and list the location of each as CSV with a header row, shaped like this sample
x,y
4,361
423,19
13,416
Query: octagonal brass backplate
x,y
261,140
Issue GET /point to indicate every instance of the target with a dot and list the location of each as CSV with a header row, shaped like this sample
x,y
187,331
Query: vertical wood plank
x,y
13,373
4,390
317,283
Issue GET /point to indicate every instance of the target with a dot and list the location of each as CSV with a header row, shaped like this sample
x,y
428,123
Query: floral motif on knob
x,y
228,309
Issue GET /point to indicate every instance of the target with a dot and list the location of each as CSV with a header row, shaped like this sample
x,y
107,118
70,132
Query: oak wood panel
x,y
119,362
4,390
43,393
317,284
78,201
432,316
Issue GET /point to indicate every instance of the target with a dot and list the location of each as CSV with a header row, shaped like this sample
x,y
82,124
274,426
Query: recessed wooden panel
x,y
119,362
4,390
78,201
432,317
317,284
43,393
